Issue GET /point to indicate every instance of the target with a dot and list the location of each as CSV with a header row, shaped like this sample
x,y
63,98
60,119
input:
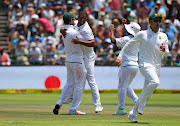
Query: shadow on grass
x,y
134,123
53,114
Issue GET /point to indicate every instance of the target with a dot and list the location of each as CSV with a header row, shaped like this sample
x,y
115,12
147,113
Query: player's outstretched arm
x,y
112,37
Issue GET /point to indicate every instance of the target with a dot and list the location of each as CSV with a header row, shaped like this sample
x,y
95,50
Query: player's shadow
x,y
53,114
134,123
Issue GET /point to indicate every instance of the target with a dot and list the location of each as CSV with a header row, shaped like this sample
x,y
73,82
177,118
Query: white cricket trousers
x,y
76,72
126,75
151,75
89,64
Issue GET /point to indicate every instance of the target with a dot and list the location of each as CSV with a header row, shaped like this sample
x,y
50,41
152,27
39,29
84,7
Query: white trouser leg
x,y
70,95
80,73
126,75
152,81
151,75
91,81
68,88
130,92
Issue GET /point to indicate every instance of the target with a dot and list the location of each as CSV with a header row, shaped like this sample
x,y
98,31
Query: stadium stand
x,y
28,19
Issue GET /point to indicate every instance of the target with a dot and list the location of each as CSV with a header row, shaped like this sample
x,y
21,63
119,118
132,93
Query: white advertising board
x,y
34,77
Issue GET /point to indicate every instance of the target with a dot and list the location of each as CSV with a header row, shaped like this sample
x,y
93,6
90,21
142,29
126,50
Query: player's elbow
x,y
94,44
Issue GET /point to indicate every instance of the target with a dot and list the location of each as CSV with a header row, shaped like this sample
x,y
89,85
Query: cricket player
x,y
153,45
89,56
76,71
129,68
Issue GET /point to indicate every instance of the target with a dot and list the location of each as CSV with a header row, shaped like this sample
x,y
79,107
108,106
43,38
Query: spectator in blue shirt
x,y
35,36
171,32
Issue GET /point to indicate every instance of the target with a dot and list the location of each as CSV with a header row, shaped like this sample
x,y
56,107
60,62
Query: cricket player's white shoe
x,y
139,108
98,109
56,109
120,112
132,118
76,112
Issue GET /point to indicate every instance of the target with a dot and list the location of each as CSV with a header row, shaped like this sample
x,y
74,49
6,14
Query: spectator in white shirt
x,y
35,57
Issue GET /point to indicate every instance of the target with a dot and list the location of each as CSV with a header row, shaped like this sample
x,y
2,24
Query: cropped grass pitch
x,y
36,110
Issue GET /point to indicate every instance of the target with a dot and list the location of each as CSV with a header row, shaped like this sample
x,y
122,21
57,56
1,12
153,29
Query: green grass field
x,y
36,110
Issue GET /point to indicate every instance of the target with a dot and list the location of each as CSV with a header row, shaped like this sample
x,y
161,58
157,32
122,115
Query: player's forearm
x,y
90,43
112,37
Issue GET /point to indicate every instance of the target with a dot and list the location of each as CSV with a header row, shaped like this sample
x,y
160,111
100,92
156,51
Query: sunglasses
x,y
157,21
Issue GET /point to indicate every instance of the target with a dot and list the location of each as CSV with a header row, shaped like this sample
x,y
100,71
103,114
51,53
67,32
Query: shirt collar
x,y
154,32
83,25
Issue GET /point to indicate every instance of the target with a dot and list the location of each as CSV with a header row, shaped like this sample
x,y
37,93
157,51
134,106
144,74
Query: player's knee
x,y
155,83
84,72
122,89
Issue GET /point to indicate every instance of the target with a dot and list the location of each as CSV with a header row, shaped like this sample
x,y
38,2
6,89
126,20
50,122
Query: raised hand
x,y
111,28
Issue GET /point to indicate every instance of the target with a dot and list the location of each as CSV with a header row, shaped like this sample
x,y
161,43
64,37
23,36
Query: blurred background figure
x,y
51,56
35,55
22,54
4,58
171,32
12,39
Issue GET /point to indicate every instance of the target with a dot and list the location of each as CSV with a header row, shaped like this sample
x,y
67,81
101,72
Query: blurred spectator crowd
x,y
34,27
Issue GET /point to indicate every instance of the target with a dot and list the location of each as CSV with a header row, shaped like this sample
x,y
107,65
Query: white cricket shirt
x,y
150,42
87,33
74,52
132,54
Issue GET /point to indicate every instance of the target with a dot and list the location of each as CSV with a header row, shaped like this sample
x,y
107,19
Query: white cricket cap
x,y
33,44
158,2
167,21
133,28
108,40
35,16
100,23
141,0
50,42
70,2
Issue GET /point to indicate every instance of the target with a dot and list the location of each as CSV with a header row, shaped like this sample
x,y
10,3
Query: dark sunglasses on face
x,y
157,21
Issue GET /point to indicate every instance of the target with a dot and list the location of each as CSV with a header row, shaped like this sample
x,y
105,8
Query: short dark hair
x,y
84,13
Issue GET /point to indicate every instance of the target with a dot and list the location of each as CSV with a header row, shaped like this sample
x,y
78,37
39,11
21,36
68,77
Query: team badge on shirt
x,y
160,37
79,29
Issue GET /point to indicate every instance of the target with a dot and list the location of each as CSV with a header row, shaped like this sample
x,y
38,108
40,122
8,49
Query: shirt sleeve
x,y
120,42
130,44
174,29
166,45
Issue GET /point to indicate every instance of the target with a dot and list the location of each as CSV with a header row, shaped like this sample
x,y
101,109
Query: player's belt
x,y
73,62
